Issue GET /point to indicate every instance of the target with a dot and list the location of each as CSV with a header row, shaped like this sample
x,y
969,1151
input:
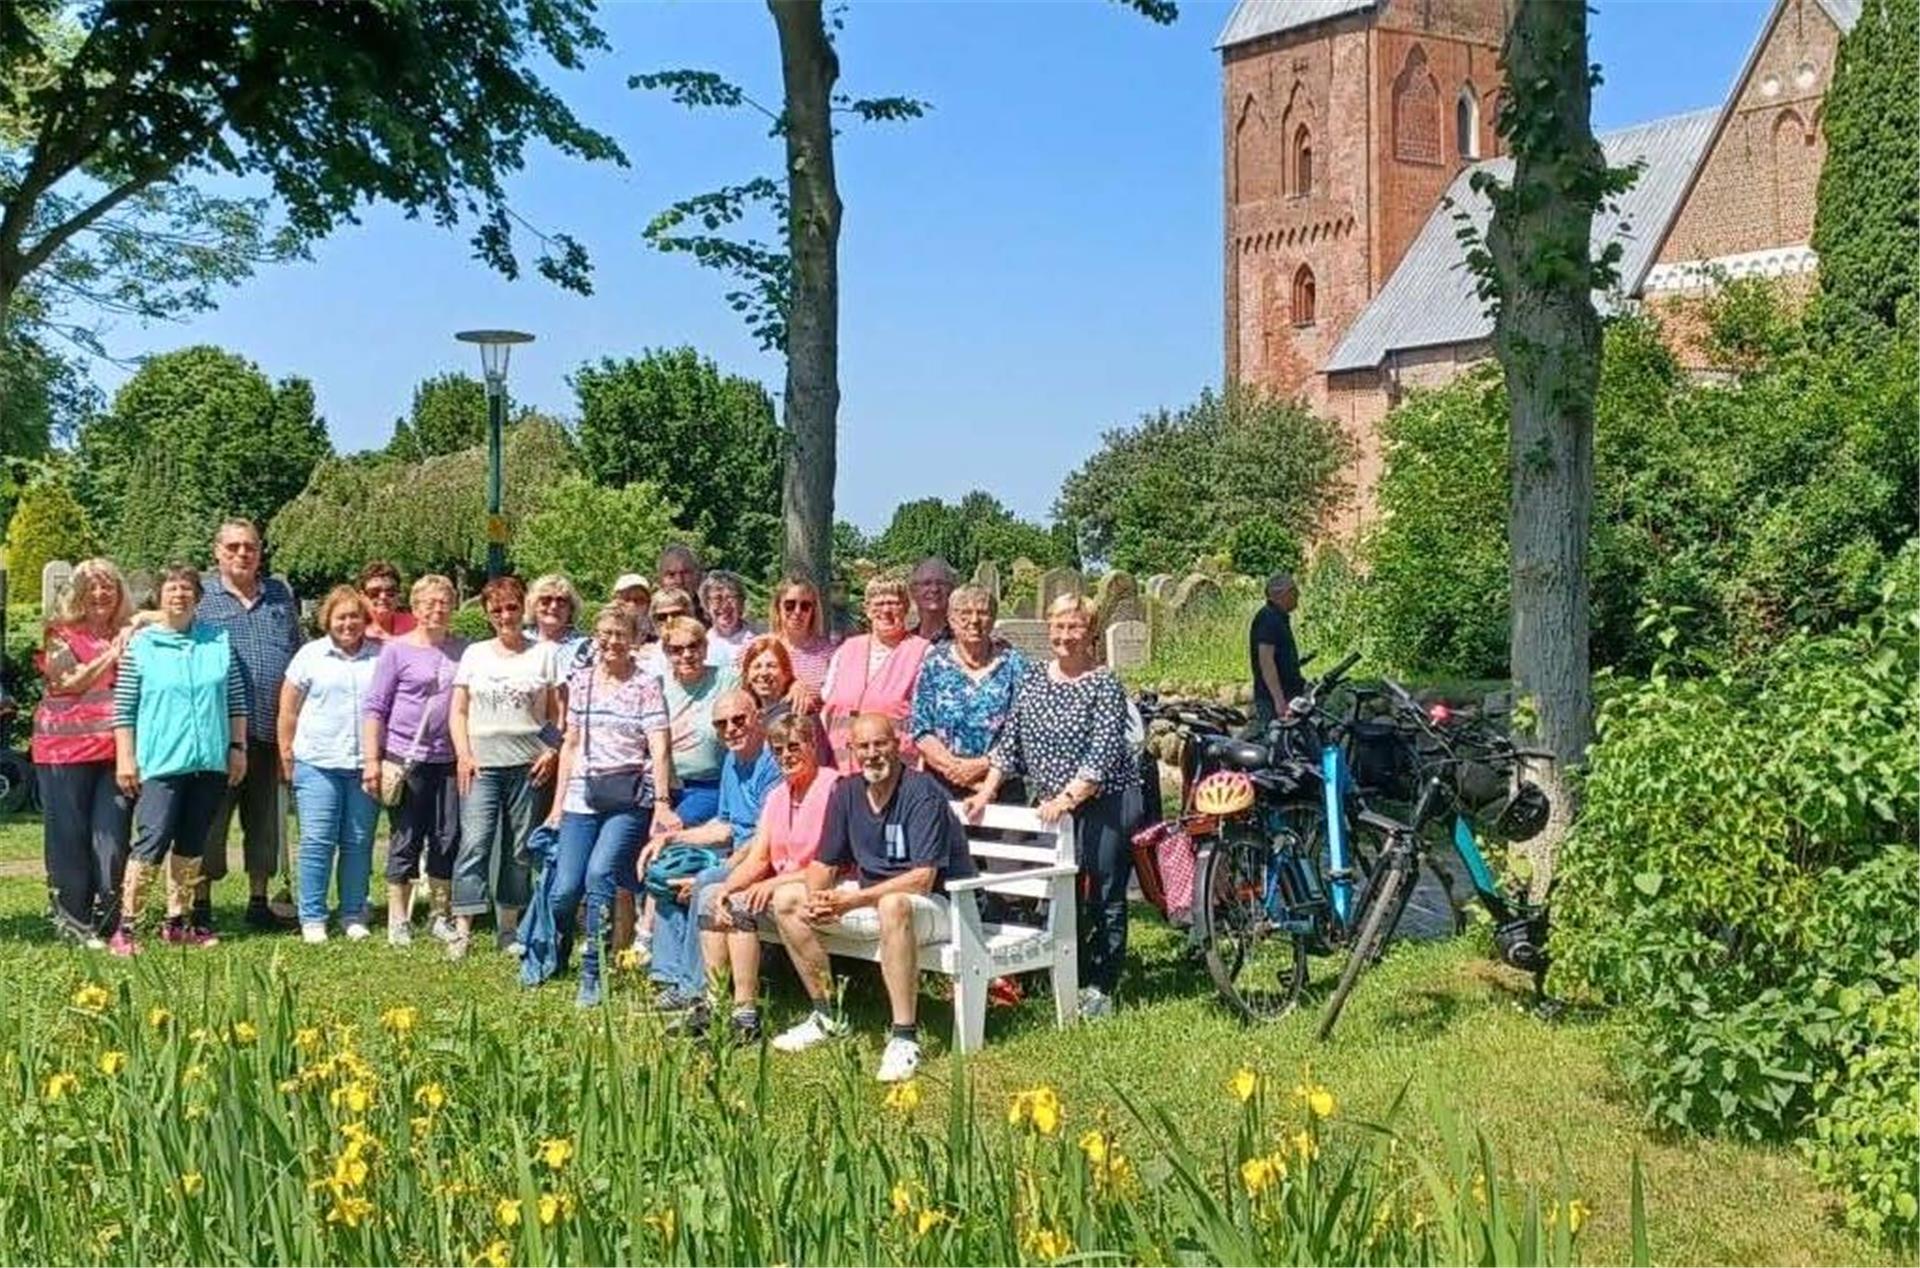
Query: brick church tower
x,y
1345,122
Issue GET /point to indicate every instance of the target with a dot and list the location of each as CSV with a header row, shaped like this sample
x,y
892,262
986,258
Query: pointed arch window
x,y
1466,124
1416,111
1302,161
1303,296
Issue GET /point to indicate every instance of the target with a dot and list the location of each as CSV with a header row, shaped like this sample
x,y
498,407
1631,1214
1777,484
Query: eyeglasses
x,y
732,720
796,605
554,601
667,614
883,605
685,649
381,592
789,746
240,548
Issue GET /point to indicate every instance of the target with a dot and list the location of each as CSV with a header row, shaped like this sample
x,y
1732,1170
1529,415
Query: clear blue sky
x,y
1035,262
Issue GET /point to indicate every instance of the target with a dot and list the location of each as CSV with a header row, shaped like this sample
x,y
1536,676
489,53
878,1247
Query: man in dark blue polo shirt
x,y
262,622
897,831
1274,659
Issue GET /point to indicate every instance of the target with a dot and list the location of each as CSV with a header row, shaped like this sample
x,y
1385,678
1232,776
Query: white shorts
x,y
931,922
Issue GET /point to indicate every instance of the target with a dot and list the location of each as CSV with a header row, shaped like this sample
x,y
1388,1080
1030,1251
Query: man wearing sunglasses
x,y
746,773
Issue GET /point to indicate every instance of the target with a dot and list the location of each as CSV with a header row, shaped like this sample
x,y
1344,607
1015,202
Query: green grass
x,y
1436,1020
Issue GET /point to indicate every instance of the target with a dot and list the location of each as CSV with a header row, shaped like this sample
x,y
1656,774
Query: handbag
x,y
609,792
393,775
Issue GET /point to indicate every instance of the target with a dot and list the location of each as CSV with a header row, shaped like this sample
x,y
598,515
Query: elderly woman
x,y
932,584
965,693
767,672
874,673
505,704
799,621
85,819
319,736
692,686
380,585
407,721
679,569
555,605
723,595
180,741
1067,735
617,754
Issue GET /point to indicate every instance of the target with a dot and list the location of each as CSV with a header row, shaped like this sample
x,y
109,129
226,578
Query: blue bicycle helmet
x,y
677,863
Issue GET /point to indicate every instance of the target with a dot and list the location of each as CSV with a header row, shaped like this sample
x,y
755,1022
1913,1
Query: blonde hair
x,y
796,581
623,616
1078,605
432,581
685,626
553,583
885,587
337,596
72,606
971,593
667,596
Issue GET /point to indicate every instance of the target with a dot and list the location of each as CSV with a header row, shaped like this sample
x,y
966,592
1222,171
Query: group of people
x,y
668,782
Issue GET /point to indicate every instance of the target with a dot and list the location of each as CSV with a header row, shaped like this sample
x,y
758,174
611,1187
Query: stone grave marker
x,y
1130,608
1195,588
1027,634
1126,645
1055,582
1160,586
987,576
54,576
1022,609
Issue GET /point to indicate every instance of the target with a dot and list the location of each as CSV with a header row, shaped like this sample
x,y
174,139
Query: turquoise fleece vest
x,y
181,726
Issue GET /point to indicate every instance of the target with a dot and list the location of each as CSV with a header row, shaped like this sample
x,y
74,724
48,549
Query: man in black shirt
x,y
1270,650
896,830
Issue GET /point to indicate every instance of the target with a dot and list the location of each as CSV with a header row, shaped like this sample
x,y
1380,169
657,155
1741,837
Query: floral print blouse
x,y
962,713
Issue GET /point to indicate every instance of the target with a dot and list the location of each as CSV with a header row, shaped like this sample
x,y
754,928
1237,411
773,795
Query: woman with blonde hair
x,y
555,607
86,817
798,619
319,736
874,673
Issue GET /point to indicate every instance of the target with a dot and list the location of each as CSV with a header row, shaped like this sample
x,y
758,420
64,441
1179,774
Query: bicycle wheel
x,y
1258,967
1384,906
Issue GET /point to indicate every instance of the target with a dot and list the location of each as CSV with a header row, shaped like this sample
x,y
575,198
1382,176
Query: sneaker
x,y
357,931
692,1021
260,915
517,949
589,996
670,999
443,929
92,942
175,931
642,951
122,944
458,945
313,931
745,1027
400,935
900,1061
1095,1004
815,1030
281,905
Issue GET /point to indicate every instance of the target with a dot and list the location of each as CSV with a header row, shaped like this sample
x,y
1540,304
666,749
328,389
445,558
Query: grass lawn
x,y
1436,1019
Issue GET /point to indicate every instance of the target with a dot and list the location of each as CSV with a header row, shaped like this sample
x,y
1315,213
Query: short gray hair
x,y
1280,582
974,593
937,566
721,579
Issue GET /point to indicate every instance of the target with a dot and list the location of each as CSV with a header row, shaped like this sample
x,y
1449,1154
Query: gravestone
x,y
1113,587
54,576
987,577
1130,608
1160,586
1126,645
1022,609
1196,588
1055,582
1028,635
140,589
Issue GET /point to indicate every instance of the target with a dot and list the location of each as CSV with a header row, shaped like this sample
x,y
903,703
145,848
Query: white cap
x,y
628,580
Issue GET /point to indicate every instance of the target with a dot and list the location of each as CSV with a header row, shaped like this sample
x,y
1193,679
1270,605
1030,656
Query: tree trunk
x,y
1547,337
809,68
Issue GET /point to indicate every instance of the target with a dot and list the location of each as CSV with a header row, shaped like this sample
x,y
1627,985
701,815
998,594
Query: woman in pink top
x,y
799,621
791,820
86,816
875,673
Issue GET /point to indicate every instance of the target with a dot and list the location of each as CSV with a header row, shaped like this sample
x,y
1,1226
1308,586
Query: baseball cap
x,y
628,580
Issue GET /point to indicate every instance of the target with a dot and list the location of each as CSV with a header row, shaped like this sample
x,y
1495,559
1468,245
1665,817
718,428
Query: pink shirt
x,y
856,684
810,662
793,828
72,727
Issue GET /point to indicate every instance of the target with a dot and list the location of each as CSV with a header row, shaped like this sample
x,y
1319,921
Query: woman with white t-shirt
x,y
504,701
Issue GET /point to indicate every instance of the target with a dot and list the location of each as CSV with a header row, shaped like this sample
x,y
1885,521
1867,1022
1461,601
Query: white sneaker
x,y
314,931
642,952
1095,1004
816,1029
900,1061
399,933
357,931
443,929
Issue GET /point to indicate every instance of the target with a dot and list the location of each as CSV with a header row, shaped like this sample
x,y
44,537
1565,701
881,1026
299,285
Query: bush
x,y
48,523
1743,881
594,534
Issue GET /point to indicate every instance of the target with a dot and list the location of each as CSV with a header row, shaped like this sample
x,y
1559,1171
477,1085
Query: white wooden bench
x,y
1041,867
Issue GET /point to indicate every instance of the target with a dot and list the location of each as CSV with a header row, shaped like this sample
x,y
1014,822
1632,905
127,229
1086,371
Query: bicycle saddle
x,y
1238,753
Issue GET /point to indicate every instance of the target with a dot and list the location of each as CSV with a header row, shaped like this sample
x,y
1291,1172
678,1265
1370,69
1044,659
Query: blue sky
x,y
1035,262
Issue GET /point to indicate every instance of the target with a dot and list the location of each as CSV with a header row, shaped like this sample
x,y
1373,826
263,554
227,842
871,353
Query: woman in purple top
x,y
406,721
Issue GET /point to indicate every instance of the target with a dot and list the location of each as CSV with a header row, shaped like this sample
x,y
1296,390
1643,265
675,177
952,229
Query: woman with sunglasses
x,y
379,585
874,673
692,687
799,622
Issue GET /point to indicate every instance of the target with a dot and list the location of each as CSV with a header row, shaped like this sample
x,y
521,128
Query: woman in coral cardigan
x,y
874,673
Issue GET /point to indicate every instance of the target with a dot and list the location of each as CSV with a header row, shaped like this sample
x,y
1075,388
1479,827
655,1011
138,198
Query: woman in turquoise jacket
x,y
180,740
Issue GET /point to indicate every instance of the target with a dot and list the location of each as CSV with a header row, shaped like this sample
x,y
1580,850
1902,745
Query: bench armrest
x,y
987,880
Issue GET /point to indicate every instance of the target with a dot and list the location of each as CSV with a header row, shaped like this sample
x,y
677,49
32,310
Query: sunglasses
x,y
789,746
732,720
553,601
685,649
796,605
380,592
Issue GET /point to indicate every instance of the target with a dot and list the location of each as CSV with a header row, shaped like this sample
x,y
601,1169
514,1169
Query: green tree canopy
x,y
48,523
1158,494
1866,224
449,413
193,437
426,516
593,533
671,419
977,527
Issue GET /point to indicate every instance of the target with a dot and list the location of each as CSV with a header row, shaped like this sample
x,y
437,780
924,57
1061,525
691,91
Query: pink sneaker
x,y
175,931
122,944
200,936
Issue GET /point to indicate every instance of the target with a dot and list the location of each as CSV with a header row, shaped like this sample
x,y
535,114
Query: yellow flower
x,y
359,1139
195,1113
666,1221
193,1073
506,1212
288,1085
307,1038
1305,1145
1260,1174
555,1206
60,1084
1318,1100
1094,1145
627,960
112,1062
1049,1244
927,1221
356,1096
349,1211
494,1256
556,1152
92,998
1243,1084
431,1096
244,1032
1577,1213
400,1020
902,1199
104,1239
192,1183
158,1017
1480,1187
904,1097
1039,1106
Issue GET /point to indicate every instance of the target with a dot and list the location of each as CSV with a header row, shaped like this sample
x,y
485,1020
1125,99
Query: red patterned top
x,y
73,727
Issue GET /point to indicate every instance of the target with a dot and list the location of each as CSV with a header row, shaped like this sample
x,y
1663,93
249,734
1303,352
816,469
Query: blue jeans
x,y
495,817
336,814
697,801
593,850
676,938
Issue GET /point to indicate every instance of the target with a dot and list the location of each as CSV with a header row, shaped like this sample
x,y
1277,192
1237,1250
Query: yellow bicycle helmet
x,y
1223,793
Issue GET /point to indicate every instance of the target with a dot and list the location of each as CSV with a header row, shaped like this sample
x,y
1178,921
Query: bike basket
x,y
1163,863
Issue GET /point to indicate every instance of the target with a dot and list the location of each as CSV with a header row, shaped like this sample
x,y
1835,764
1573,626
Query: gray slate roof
x,y
1430,298
1843,12
1252,19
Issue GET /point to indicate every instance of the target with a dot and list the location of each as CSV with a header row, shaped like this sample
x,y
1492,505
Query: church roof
x,y
1430,299
1252,19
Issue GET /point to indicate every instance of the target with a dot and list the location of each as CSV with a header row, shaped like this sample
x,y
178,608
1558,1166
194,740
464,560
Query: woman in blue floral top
x,y
965,693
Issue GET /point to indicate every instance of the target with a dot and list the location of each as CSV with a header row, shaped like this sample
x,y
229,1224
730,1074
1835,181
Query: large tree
x,y
448,414
976,528
113,108
1538,270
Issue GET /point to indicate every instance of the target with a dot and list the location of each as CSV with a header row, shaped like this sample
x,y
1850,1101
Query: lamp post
x,y
496,349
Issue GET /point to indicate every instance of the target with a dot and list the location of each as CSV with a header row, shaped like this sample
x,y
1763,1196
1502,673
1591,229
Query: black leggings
x,y
87,825
1106,864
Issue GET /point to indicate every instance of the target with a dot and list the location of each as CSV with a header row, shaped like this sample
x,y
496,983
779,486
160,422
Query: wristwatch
x,y
236,747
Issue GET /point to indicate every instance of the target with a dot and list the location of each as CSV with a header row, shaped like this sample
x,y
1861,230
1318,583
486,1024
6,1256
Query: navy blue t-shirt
x,y
917,828
1272,628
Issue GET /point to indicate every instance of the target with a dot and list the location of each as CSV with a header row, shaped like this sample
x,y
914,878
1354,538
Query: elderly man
x,y
262,622
1271,651
680,570
932,585
746,773
896,830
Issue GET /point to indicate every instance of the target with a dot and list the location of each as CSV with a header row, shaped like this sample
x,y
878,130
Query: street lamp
x,y
496,349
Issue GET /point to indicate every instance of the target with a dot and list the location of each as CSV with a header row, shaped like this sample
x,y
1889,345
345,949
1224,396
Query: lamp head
x,y
496,349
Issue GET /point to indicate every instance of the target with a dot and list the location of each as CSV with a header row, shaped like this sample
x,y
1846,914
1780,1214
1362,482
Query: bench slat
x,y
1021,852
